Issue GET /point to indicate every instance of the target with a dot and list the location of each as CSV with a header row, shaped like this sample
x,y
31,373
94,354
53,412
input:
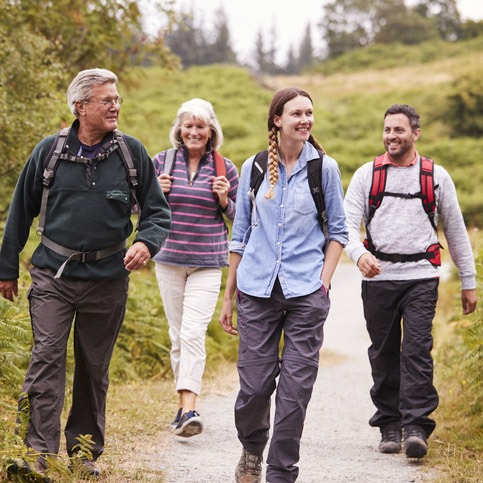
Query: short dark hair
x,y
408,111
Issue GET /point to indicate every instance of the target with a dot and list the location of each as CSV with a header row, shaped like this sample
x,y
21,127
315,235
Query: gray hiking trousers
x,y
261,322
97,308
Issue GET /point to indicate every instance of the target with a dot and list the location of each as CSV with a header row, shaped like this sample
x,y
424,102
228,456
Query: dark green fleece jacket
x,y
89,209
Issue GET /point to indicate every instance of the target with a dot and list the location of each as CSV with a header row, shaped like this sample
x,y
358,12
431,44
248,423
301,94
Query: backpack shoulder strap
x,y
127,158
257,173
427,188
169,160
50,165
259,167
220,166
131,170
378,185
314,174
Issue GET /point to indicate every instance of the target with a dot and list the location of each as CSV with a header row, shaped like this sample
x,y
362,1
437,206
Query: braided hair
x,y
279,100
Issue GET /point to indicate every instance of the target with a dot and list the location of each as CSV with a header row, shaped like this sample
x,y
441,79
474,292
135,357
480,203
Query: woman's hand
x,y
221,187
166,181
226,317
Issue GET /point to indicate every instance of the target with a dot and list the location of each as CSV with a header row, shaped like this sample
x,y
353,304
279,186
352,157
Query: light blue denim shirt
x,y
282,237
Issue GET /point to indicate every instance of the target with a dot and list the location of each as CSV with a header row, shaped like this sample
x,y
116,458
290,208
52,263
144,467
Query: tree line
x,y
344,25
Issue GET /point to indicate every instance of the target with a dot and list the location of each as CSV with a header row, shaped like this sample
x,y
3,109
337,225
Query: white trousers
x,y
189,298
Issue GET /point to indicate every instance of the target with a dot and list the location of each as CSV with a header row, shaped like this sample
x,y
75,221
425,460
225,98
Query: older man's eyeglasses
x,y
108,102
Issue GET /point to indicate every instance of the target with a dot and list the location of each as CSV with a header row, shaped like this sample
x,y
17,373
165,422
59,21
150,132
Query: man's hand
x,y
469,298
136,257
9,289
369,265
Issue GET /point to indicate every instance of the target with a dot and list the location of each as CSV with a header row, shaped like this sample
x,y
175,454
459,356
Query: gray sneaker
x,y
415,445
249,468
391,436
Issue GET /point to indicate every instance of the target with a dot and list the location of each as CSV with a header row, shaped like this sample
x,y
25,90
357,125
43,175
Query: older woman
x,y
188,267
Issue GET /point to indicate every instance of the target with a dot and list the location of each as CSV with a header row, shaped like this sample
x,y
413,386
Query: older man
x,y
83,184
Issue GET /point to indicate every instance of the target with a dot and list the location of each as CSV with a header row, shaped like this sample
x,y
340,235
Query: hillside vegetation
x,y
349,110
349,107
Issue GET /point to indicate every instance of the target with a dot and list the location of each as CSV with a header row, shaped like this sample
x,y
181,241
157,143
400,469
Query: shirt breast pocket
x,y
303,202
118,195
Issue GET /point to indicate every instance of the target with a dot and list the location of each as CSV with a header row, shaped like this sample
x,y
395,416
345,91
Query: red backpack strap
x,y
427,188
220,167
427,184
378,185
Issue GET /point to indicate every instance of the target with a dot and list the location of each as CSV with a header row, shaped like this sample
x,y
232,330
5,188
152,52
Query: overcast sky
x,y
290,18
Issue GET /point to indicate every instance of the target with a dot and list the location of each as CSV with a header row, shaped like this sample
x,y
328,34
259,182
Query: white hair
x,y
80,88
202,110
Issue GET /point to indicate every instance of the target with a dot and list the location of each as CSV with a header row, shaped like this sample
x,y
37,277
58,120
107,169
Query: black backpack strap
x,y
432,254
50,164
130,169
169,160
314,174
259,167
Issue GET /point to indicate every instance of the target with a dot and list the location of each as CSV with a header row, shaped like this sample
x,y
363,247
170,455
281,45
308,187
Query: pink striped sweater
x,y
199,235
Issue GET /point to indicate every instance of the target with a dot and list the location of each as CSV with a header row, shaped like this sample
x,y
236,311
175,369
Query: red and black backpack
x,y
427,196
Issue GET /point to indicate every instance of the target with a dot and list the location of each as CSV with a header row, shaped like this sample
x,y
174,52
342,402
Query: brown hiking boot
x,y
249,468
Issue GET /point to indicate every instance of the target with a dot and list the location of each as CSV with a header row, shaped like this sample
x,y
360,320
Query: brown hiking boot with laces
x,y
249,468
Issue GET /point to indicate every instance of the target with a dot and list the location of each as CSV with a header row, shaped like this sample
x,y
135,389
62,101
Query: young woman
x,y
188,267
282,277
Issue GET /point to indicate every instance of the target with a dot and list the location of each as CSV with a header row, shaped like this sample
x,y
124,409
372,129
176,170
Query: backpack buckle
x,y
88,257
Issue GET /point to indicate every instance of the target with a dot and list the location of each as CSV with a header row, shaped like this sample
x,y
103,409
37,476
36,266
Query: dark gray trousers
x,y
97,308
261,322
399,317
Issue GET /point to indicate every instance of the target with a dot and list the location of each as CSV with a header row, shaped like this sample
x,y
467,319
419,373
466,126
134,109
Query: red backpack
x,y
376,195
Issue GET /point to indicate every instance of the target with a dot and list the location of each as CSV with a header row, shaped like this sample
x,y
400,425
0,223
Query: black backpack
x,y
314,174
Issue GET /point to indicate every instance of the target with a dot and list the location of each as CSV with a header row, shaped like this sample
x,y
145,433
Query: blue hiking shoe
x,y
189,425
176,419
